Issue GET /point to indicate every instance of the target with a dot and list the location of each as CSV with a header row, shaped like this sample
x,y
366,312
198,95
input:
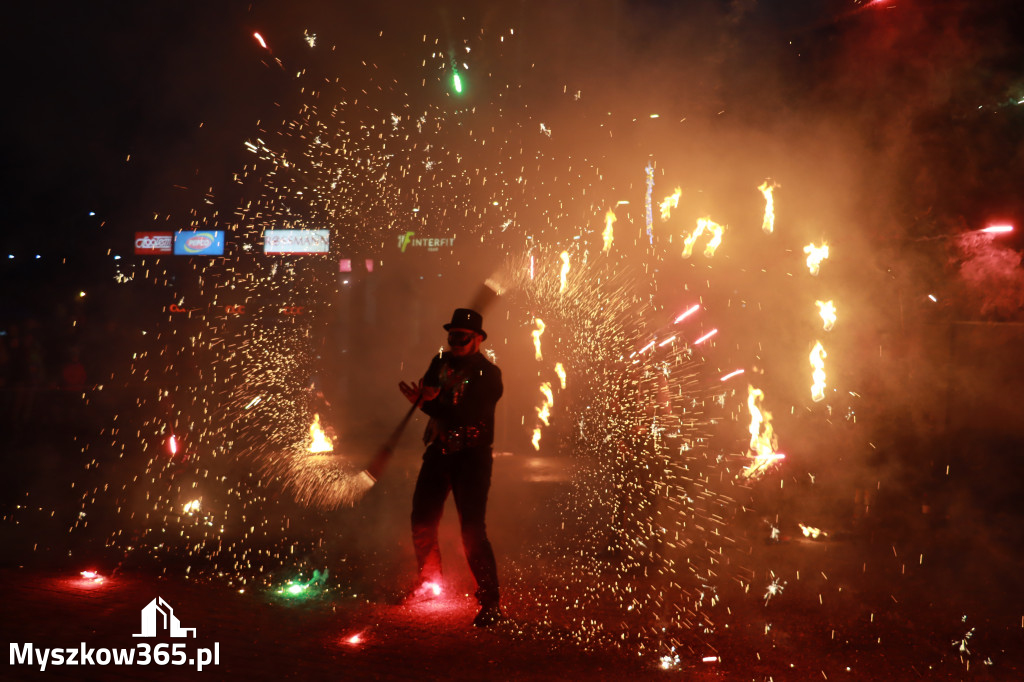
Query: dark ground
x,y
921,598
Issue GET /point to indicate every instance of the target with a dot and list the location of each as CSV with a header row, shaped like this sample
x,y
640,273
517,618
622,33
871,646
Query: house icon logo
x,y
158,617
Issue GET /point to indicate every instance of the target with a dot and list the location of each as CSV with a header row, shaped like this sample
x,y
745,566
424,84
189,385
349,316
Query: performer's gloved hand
x,y
418,393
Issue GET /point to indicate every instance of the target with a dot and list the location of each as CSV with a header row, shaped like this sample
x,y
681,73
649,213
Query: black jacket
x,y
462,414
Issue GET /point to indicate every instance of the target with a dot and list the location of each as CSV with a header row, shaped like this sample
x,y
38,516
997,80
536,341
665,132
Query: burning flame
x,y
766,187
811,532
320,442
828,313
560,371
609,232
818,356
536,438
536,337
191,507
565,270
762,436
815,254
544,411
545,388
713,228
670,202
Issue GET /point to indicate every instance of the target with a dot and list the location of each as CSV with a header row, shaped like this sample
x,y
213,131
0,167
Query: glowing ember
x,y
536,337
609,233
710,226
670,202
260,40
817,357
827,310
774,588
648,213
815,254
565,271
730,375
689,311
768,224
320,441
705,337
762,436
560,371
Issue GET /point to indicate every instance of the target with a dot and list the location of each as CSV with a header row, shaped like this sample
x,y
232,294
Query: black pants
x,y
467,474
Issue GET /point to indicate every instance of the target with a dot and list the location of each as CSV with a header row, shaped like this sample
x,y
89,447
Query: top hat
x,y
464,318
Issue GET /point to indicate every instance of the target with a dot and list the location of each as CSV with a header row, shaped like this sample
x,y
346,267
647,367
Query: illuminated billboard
x,y
154,242
296,241
199,243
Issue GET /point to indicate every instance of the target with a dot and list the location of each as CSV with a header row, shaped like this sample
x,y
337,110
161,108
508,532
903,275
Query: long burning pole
x,y
488,291
383,456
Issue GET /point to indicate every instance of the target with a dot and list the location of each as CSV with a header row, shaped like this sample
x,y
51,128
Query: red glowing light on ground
x,y
433,587
355,639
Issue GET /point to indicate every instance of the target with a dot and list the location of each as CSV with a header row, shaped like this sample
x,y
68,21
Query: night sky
x,y
176,85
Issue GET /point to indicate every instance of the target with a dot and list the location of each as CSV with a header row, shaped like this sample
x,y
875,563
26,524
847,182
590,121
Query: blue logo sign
x,y
206,243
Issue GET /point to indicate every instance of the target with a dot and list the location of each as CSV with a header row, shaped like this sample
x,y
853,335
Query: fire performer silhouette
x,y
458,392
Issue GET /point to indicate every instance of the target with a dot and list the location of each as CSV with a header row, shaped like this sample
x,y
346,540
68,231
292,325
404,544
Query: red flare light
x,y
690,311
998,229
260,40
730,375
706,337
